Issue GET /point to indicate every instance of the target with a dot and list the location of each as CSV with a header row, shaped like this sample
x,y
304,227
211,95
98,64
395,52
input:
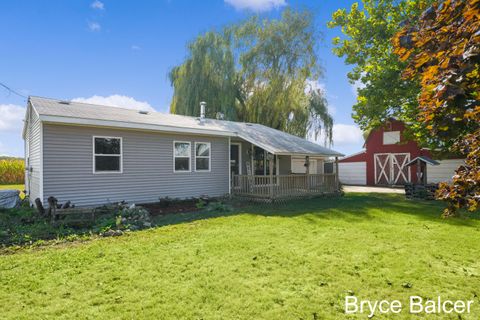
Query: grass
x,y
296,261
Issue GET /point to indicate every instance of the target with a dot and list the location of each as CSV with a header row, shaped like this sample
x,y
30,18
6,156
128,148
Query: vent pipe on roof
x,y
203,105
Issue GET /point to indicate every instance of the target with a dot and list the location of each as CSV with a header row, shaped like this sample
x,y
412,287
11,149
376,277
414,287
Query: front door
x,y
391,169
235,166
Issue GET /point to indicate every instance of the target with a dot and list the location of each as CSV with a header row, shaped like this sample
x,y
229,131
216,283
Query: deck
x,y
277,187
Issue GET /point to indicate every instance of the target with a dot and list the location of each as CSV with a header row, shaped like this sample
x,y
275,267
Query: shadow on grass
x,y
354,207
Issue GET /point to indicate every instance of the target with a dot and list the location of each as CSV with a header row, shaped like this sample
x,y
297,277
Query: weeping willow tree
x,y
256,71
207,75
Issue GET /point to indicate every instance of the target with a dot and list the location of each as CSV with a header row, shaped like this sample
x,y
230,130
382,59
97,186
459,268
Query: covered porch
x,y
266,174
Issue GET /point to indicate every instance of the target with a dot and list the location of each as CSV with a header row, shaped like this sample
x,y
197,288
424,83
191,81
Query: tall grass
x,y
12,171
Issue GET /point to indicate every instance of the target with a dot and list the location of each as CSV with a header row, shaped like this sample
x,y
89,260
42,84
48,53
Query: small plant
x,y
201,204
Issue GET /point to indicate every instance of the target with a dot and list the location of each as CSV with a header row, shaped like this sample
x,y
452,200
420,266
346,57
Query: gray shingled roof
x,y
272,140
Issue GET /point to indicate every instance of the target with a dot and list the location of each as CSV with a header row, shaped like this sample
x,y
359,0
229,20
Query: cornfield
x,y
12,171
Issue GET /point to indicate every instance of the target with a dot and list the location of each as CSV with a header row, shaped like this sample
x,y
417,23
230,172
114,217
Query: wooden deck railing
x,y
283,186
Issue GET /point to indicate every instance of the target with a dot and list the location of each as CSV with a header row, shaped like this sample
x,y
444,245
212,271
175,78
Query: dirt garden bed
x,y
159,208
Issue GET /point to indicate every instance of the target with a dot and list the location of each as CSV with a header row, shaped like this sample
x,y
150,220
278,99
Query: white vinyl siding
x,y
34,148
298,165
147,167
353,173
444,171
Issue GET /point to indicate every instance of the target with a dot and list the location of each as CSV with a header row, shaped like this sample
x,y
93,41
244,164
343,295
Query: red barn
x,y
385,158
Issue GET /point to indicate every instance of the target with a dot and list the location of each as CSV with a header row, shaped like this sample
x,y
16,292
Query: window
x,y
202,156
107,154
261,162
391,137
181,156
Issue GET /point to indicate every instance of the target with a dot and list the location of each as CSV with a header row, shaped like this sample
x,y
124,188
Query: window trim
x,y
189,157
204,157
108,155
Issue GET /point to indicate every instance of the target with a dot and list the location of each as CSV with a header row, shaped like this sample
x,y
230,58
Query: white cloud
x,y
346,134
313,85
98,5
358,84
94,26
117,100
135,47
11,117
256,5
4,150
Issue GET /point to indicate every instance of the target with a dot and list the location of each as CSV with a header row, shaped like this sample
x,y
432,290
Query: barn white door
x,y
391,169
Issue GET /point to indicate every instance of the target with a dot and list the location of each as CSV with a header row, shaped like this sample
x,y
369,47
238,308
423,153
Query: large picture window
x,y
107,154
202,156
181,156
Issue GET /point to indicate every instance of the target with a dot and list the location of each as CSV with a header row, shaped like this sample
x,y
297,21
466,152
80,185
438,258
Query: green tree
x,y
368,29
256,71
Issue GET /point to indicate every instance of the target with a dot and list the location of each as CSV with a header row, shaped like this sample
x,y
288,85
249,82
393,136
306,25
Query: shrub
x,y
218,207
12,171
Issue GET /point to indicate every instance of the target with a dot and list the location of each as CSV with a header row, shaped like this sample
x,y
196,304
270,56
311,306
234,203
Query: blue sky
x,y
120,52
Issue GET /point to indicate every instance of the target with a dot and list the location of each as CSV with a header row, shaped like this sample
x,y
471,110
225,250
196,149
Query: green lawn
x,y
296,261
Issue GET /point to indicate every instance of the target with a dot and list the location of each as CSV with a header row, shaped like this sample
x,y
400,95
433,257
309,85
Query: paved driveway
x,y
373,189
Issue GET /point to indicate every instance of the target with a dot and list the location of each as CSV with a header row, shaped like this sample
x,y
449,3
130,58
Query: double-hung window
x,y
181,156
107,154
202,156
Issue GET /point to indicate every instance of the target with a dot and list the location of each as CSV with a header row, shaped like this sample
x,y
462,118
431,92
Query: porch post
x,y
270,165
337,181
307,171
425,178
230,166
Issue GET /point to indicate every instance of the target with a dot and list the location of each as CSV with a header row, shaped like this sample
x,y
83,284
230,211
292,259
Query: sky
x,y
120,52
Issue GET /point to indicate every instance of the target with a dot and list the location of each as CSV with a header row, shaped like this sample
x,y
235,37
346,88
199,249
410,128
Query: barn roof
x,y
77,113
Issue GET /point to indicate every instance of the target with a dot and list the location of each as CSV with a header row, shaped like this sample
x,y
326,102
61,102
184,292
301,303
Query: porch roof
x,y
279,142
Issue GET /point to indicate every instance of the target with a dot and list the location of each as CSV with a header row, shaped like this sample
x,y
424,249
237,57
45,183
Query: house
x,y
92,154
388,158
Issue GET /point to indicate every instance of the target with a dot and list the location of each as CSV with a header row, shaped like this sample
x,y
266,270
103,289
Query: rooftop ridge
x,y
133,110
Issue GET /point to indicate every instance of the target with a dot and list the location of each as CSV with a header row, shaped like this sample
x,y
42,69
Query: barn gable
x,y
385,158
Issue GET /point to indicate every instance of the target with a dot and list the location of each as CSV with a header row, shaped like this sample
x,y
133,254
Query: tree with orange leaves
x,y
443,52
